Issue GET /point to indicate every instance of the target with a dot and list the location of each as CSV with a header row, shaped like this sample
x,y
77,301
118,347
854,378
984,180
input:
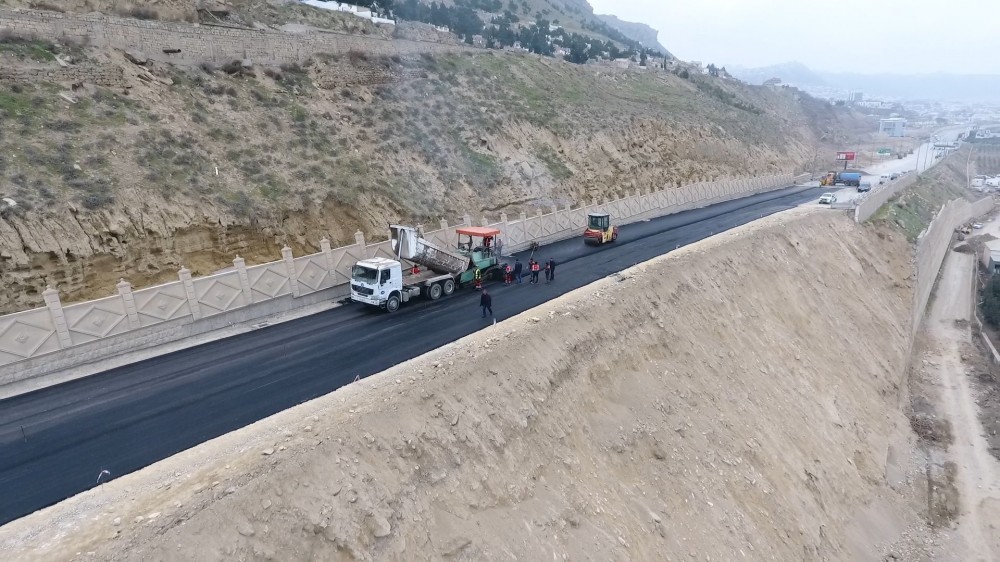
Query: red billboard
x,y
849,156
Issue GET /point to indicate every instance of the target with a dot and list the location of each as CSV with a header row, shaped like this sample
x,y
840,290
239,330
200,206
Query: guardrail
x,y
42,340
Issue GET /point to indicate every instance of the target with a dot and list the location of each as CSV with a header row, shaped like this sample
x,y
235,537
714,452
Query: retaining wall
x,y
934,243
109,77
190,44
869,205
43,340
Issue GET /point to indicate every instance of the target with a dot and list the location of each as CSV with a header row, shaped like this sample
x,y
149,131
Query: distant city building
x,y
893,127
874,104
773,81
855,97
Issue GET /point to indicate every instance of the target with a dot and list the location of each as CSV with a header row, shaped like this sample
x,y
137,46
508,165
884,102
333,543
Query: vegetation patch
x,y
914,208
553,162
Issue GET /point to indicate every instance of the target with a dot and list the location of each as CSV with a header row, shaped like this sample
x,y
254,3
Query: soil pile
x,y
734,399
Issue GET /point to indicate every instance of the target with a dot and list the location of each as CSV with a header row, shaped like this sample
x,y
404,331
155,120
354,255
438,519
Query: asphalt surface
x,y
56,441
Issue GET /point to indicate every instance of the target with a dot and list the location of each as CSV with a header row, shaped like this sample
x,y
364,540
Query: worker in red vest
x,y
508,277
535,268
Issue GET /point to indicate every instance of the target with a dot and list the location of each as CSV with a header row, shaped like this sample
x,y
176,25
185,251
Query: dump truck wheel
x,y
448,286
434,291
392,303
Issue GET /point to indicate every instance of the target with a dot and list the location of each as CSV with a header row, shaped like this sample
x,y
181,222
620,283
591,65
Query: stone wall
x,y
187,44
37,342
110,77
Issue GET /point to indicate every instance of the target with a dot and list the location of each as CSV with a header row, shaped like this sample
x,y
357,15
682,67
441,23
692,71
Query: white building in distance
x,y
893,127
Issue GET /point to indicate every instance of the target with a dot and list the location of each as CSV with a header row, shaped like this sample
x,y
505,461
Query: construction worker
x,y
479,279
535,267
507,274
486,303
548,274
552,269
517,271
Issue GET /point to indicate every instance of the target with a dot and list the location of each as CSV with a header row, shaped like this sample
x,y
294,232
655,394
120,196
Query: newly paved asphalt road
x,y
56,441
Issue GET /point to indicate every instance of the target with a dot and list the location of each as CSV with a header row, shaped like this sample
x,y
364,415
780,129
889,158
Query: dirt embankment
x,y
732,400
191,166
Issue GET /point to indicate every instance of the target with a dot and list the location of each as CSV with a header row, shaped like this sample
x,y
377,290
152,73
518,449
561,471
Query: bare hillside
x,y
164,166
685,409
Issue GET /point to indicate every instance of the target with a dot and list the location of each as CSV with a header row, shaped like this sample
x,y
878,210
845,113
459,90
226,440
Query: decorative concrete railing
x,y
132,319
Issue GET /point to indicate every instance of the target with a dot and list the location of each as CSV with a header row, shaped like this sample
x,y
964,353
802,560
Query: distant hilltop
x,y
640,32
938,86
793,73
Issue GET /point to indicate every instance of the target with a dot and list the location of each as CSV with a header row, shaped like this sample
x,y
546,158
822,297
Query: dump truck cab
x,y
599,229
437,271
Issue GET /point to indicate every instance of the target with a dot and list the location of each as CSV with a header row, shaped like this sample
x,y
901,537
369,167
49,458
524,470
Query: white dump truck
x,y
387,283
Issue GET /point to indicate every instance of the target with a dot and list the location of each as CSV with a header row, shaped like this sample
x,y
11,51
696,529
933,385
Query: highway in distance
x,y
56,441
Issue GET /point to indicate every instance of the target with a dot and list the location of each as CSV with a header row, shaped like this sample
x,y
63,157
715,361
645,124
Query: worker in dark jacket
x,y
551,266
486,302
517,271
548,273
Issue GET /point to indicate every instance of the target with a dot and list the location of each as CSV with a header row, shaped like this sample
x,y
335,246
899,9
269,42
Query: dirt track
x,y
736,399
966,500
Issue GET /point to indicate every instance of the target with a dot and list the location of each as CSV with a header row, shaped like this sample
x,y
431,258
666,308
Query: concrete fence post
x,y
359,239
51,297
293,278
466,219
241,272
443,224
524,227
128,301
420,231
185,276
324,246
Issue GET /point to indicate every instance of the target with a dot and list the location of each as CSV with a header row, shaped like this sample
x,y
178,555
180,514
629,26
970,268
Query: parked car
x,y
894,177
977,225
865,186
827,198
881,180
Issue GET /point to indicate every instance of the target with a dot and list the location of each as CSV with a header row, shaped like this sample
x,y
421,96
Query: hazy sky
x,y
870,36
